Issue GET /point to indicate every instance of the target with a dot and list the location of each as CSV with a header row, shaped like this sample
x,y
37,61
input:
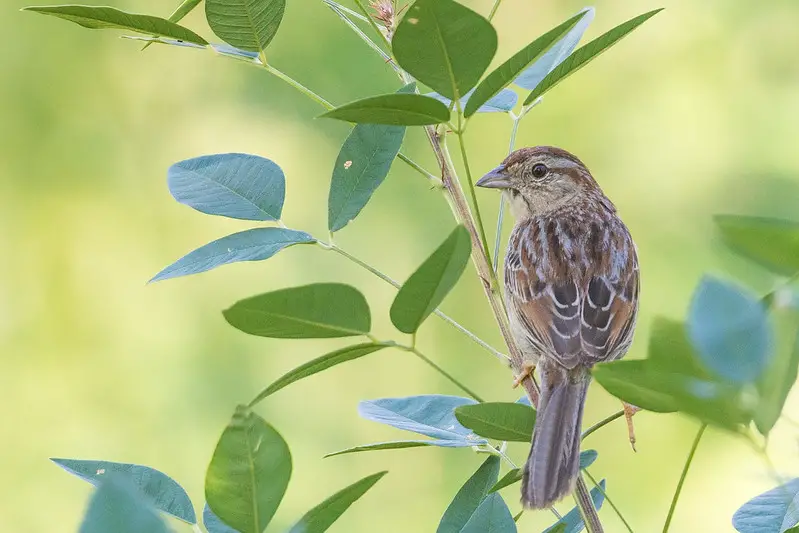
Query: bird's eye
x,y
540,170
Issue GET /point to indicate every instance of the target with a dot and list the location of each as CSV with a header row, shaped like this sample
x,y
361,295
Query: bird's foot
x,y
629,411
527,371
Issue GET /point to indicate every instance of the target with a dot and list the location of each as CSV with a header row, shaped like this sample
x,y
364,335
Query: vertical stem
x,y
460,207
607,499
473,193
683,476
586,506
501,217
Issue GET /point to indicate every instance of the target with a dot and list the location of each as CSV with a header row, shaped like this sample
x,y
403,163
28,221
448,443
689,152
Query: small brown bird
x,y
571,286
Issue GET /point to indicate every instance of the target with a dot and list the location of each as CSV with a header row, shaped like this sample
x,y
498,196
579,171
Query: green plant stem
x,y
397,285
683,476
501,216
441,371
297,85
337,9
602,423
196,528
346,10
472,192
494,9
511,145
434,180
607,499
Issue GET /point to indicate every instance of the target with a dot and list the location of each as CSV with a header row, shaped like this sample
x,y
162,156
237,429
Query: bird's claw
x,y
527,371
629,412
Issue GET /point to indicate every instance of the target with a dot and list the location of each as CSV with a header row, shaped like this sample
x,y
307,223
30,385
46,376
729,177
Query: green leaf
x,y
162,491
774,511
532,76
643,384
769,242
362,165
393,109
730,330
444,45
321,517
469,497
241,186
492,516
318,311
432,281
572,522
251,245
586,54
671,350
780,376
246,24
393,445
587,458
503,75
213,524
513,476
117,506
498,420
248,474
431,415
100,18
317,365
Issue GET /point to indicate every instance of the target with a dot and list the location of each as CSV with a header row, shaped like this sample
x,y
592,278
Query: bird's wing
x,y
575,294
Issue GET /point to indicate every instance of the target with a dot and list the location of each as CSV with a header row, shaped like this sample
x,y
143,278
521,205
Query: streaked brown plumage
x,y
571,285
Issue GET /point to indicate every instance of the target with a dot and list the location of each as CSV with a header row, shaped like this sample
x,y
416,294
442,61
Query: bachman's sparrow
x,y
571,286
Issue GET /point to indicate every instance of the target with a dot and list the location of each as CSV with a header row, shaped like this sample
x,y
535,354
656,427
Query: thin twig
x,y
601,424
494,9
478,217
607,499
354,27
297,85
682,477
501,216
372,23
443,372
585,504
397,285
346,10
436,181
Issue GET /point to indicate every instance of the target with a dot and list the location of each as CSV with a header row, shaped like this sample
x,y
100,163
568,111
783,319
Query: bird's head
x,y
540,180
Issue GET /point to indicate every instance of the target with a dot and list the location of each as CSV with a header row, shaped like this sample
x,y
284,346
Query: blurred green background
x,y
695,113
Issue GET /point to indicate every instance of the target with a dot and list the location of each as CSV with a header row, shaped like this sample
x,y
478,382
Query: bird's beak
x,y
496,179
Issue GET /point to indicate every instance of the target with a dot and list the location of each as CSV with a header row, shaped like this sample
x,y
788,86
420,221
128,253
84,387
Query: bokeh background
x,y
695,113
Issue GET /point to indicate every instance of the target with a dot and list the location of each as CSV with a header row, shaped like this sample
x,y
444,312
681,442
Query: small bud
x,y
385,13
